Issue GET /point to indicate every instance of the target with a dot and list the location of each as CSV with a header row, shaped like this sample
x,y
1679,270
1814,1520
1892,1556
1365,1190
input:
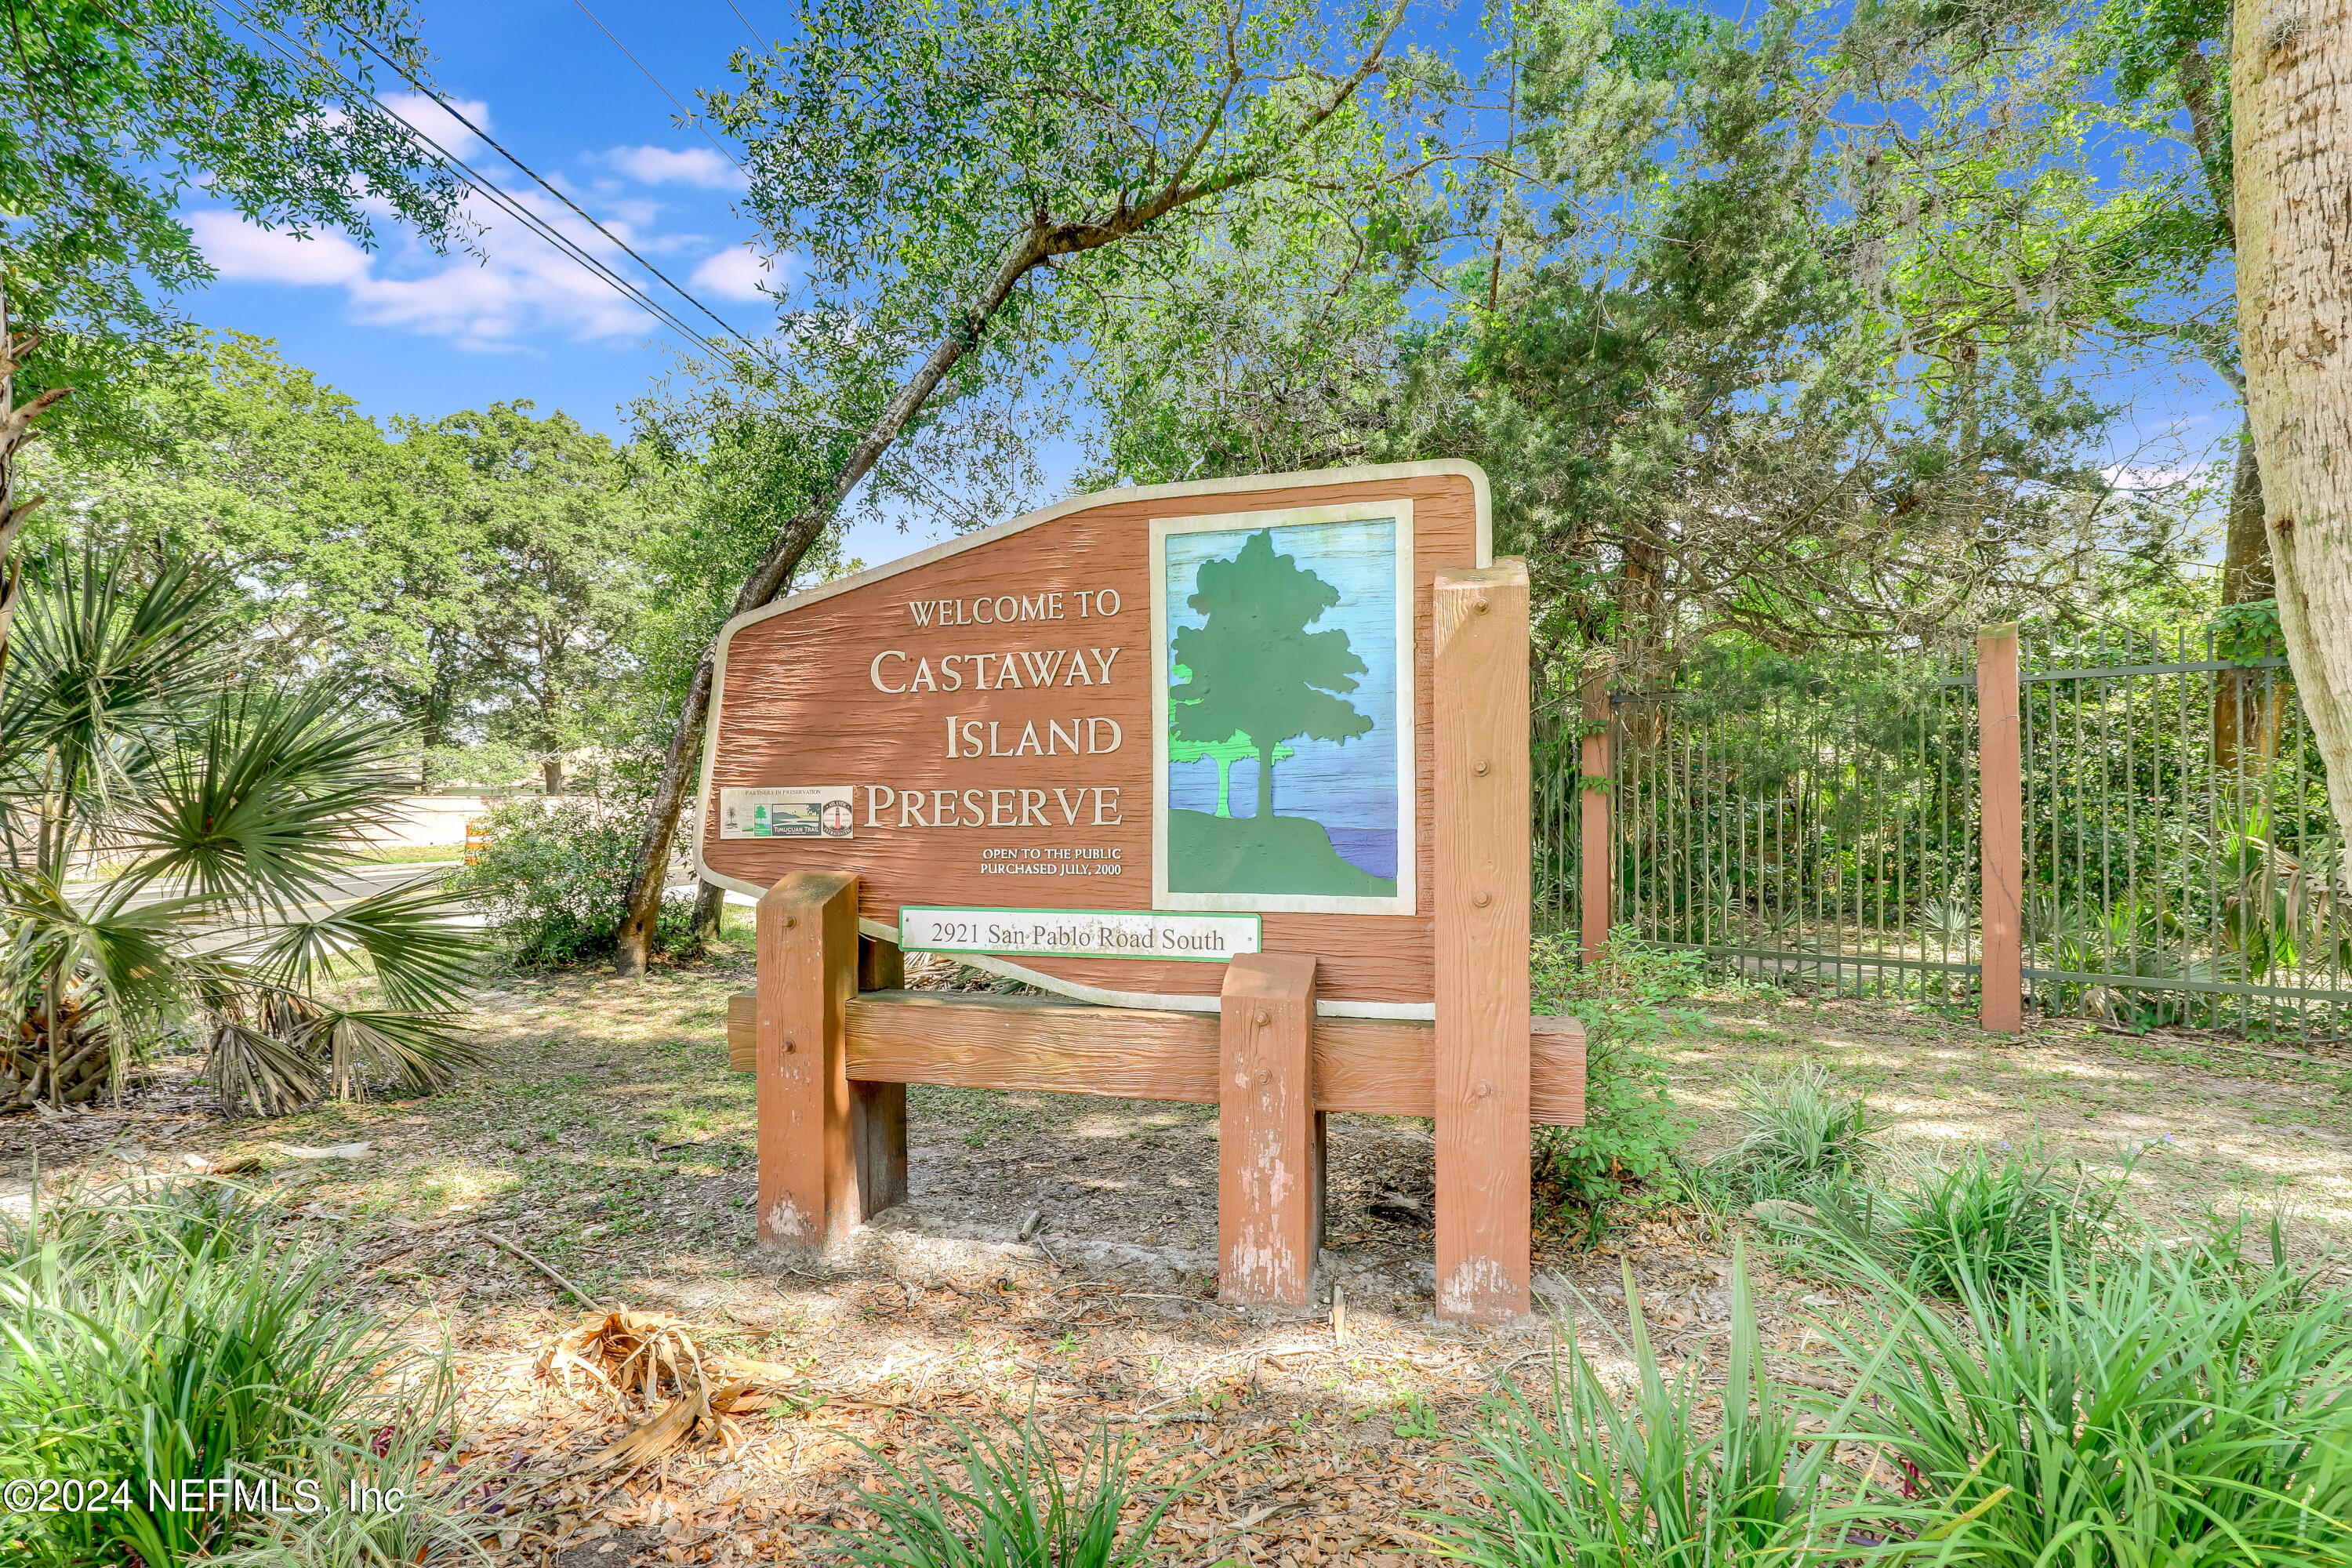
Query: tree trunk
x,y
1264,785
2290,81
2247,707
16,430
709,904
550,774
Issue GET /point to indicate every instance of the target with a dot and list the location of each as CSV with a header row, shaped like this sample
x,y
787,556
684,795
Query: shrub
x,y
1013,1506
1997,1221
1631,1132
554,882
174,1338
2136,1411
1800,1128
1570,1479
2002,1224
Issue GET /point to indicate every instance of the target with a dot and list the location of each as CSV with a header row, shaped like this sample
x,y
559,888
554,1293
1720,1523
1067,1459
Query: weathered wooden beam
x,y
881,1108
1485,1070
1267,1185
809,1132
2000,842
1374,1067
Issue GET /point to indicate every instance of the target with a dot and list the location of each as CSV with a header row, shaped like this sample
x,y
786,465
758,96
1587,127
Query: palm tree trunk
x,y
2291,95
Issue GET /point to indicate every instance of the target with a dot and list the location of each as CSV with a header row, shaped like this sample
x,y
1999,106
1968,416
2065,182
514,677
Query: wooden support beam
x,y
1595,857
2000,832
1374,1067
1267,1185
809,1157
879,1110
1484,1218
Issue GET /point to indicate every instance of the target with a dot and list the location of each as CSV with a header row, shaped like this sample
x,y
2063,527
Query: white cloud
x,y
438,123
735,272
522,283
661,166
244,253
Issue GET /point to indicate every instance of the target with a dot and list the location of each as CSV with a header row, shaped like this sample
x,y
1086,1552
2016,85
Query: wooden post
x,y
877,1111
1594,855
1268,1186
1482,905
1999,831
808,971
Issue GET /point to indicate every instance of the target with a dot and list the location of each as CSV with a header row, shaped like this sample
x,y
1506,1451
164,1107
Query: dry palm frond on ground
x,y
641,1354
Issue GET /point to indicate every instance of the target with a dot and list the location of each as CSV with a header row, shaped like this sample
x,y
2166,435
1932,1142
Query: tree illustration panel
x,y
1286,714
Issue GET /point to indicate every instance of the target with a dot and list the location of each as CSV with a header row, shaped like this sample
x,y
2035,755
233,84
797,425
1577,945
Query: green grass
x,y
1004,1502
2151,1410
1281,855
174,1335
1573,1479
1801,1127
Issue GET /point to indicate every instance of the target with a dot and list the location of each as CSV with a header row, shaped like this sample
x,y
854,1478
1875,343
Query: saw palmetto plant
x,y
171,836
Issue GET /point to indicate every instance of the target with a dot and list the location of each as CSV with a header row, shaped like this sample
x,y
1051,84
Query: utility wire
x,y
535,177
747,23
687,115
506,203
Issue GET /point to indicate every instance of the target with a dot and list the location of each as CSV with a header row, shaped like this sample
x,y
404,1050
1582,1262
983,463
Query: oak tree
x,y
117,111
962,181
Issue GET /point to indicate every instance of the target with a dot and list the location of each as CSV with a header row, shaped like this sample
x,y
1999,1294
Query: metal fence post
x,y
1592,823
1999,831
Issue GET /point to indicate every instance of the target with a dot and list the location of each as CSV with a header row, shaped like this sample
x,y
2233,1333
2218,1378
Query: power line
x,y
747,23
506,203
533,175
687,115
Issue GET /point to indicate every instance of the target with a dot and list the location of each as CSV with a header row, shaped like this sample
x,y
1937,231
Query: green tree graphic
x,y
1224,753
1254,670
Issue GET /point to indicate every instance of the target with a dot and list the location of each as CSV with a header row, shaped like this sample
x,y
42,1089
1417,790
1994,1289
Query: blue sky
x,y
407,331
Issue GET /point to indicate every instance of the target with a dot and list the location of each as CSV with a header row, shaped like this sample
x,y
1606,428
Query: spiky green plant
x,y
1006,1504
1683,1478
170,1334
1995,1222
226,808
1800,1127
2148,1412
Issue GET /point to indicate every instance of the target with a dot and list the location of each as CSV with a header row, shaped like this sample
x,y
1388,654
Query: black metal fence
x,y
1816,822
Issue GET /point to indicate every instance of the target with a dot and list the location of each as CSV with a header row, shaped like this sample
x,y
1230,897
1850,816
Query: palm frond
x,y
269,794
257,1069
423,961
422,1051
99,660
130,949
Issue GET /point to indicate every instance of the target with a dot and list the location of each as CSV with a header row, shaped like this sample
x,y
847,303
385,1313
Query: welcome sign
x,y
1099,744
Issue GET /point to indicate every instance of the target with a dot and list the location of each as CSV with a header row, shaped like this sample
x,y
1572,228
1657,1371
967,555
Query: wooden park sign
x,y
1246,760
